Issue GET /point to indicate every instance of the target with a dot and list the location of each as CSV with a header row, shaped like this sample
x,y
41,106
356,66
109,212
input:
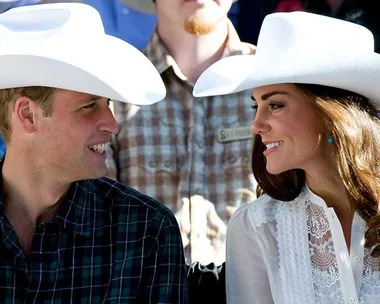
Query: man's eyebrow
x,y
89,98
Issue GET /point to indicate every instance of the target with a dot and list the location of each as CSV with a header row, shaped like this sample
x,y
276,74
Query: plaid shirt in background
x,y
173,151
107,244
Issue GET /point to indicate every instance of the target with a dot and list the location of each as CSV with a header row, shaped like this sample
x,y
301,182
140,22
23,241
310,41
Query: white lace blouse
x,y
295,252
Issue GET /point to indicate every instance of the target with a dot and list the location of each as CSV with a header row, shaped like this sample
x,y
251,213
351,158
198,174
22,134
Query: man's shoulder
x,y
121,197
242,48
235,46
248,48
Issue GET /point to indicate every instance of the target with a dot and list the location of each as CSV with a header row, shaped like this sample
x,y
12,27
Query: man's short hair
x,y
8,97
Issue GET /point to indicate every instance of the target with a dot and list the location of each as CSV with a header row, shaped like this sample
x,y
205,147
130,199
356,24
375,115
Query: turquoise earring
x,y
330,139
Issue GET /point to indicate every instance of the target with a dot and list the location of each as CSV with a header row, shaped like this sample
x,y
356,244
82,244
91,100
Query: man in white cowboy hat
x,y
68,235
190,153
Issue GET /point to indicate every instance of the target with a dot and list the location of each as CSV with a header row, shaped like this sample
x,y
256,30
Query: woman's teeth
x,y
273,145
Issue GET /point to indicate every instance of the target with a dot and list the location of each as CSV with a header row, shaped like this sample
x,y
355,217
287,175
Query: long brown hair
x,y
353,123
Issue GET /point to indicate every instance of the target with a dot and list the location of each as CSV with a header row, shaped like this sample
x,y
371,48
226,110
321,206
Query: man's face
x,y
73,138
198,17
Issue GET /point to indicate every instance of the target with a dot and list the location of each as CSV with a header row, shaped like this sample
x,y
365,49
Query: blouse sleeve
x,y
246,273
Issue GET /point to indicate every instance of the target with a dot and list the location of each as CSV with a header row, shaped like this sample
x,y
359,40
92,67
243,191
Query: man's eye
x,y
89,106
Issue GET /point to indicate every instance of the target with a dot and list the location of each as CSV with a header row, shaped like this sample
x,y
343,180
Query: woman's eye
x,y
275,106
254,106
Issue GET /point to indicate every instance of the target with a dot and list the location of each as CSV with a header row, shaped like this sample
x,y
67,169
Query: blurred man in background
x,y
193,154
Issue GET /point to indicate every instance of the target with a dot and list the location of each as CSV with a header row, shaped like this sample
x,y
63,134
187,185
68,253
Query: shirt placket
x,y
197,183
42,261
20,273
343,260
357,249
36,271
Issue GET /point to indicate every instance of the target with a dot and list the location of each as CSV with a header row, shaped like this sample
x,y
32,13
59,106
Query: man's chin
x,y
199,26
96,173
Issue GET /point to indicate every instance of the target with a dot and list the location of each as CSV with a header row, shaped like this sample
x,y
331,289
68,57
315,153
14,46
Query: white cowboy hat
x,y
300,47
63,45
145,6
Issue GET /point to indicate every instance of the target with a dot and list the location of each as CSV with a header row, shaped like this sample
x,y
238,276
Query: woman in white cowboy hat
x,y
313,236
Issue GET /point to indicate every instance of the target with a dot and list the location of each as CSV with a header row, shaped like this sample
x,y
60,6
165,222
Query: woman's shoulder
x,y
262,210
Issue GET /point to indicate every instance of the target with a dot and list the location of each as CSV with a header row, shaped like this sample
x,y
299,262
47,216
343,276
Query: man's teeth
x,y
273,145
100,148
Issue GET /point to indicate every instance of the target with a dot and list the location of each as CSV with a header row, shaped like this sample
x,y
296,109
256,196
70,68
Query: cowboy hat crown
x,y
63,45
300,47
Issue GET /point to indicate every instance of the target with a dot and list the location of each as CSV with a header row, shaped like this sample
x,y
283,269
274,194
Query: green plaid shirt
x,y
107,244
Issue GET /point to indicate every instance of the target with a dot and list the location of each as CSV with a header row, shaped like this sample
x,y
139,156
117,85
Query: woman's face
x,y
291,129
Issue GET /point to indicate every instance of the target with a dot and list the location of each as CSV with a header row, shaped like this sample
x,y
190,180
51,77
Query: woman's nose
x,y
259,125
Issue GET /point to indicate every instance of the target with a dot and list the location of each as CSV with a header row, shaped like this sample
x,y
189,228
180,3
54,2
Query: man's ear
x,y
25,113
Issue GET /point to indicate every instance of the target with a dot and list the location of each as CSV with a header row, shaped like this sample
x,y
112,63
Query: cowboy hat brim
x,y
108,67
145,6
359,74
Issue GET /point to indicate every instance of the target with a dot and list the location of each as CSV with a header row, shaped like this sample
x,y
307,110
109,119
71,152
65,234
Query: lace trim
x,y
296,283
265,210
324,266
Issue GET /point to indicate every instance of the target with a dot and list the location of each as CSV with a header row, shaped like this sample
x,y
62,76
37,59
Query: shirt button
x,y
168,164
153,164
232,159
356,259
351,300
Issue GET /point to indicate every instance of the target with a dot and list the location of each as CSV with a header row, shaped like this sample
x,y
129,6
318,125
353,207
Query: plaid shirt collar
x,y
162,60
75,212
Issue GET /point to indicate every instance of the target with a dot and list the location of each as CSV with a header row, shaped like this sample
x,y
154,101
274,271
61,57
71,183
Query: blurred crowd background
x,y
136,27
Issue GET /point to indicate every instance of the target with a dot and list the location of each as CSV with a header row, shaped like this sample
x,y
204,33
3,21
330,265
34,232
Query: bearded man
x,y
193,154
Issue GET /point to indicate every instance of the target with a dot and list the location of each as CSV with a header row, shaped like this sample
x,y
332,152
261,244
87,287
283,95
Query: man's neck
x,y
192,53
28,193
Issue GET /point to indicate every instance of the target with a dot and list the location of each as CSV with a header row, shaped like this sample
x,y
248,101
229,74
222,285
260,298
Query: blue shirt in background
x,y
125,23
2,146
